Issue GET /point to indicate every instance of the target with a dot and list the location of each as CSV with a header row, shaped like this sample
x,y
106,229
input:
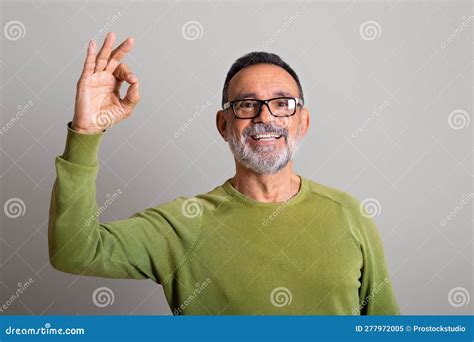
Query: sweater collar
x,y
254,203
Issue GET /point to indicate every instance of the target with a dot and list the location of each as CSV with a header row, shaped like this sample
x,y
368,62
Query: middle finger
x,y
103,55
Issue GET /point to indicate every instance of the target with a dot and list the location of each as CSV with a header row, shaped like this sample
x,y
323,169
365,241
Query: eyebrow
x,y
253,95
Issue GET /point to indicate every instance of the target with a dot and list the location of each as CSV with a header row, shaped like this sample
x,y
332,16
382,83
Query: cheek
x,y
231,133
289,123
294,128
238,129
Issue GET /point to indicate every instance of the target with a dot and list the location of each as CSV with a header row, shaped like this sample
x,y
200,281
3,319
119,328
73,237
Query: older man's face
x,y
263,155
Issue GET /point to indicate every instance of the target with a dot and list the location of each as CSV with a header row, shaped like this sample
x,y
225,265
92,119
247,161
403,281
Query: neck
x,y
278,187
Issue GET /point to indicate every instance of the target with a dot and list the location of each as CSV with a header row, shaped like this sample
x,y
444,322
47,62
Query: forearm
x,y
73,230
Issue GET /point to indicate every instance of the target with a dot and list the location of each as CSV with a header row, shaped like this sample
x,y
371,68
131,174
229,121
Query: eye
x,y
247,104
282,103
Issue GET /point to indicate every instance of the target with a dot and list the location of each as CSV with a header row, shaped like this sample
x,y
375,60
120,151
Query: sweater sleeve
x,y
150,244
376,295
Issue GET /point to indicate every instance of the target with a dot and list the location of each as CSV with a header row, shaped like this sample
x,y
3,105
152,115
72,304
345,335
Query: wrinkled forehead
x,y
262,81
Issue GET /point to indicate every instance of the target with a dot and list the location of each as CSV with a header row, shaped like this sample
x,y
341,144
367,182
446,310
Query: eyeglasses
x,y
250,108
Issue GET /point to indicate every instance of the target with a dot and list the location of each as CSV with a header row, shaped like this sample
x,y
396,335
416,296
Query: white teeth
x,y
266,136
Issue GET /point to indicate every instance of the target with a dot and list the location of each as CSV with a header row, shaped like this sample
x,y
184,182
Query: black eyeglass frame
x,y
230,104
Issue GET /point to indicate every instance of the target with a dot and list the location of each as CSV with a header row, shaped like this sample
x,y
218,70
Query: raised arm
x,y
148,244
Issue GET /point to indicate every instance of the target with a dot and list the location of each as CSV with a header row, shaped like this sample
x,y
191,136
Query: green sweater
x,y
222,252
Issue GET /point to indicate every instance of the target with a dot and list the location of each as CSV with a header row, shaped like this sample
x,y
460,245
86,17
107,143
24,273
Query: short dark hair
x,y
253,58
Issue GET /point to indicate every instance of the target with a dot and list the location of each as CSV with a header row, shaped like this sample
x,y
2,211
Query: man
x,y
266,241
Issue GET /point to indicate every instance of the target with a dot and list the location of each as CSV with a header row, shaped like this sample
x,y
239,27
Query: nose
x,y
264,115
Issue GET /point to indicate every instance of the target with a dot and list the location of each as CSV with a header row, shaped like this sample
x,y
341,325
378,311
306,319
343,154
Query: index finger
x,y
119,53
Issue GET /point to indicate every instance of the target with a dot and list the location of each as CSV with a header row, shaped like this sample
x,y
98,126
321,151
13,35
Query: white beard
x,y
263,159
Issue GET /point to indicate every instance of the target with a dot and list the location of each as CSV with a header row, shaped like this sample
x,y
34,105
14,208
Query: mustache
x,y
265,128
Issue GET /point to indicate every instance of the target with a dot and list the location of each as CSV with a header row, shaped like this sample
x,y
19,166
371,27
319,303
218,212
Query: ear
x,y
221,123
304,120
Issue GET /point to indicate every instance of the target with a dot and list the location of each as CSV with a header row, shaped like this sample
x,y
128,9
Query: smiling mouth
x,y
266,136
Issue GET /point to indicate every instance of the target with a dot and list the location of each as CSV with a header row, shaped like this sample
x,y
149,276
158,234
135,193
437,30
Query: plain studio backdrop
x,y
388,85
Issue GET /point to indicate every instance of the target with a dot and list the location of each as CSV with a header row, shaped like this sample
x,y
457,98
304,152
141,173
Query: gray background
x,y
409,155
